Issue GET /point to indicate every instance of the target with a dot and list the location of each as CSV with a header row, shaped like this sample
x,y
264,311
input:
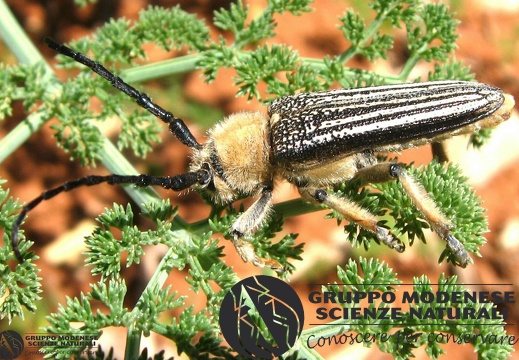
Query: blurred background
x,y
488,42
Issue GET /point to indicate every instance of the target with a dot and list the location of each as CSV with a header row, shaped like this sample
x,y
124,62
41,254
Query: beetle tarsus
x,y
462,257
247,253
386,237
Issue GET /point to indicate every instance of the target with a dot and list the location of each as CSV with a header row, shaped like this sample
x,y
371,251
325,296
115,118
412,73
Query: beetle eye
x,y
204,177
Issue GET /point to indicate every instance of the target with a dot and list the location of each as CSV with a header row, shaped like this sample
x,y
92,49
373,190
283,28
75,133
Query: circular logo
x,y
11,345
261,316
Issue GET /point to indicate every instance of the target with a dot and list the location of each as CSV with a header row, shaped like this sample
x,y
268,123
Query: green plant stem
x,y
287,209
17,40
295,207
24,50
16,137
411,62
367,34
180,65
156,283
116,163
133,344
195,264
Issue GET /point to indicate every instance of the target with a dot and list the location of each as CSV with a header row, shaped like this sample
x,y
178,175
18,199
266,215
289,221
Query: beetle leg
x,y
353,212
438,221
254,216
423,202
439,151
251,219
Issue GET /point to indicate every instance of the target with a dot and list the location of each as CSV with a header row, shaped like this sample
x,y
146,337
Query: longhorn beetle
x,y
313,140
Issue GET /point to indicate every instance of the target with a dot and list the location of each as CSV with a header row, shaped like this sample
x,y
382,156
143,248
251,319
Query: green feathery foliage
x,y
280,70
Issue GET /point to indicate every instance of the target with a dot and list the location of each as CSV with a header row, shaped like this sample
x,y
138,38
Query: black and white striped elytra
x,y
313,141
346,121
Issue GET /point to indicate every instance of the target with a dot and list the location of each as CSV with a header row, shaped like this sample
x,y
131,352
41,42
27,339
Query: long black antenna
x,y
177,183
176,125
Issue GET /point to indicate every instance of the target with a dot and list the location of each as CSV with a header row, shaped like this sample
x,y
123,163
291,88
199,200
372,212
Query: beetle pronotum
x,y
313,140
